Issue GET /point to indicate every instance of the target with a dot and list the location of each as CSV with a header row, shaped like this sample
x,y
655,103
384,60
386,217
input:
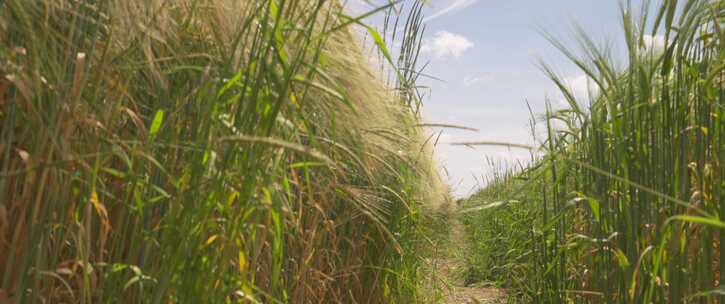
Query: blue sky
x,y
487,53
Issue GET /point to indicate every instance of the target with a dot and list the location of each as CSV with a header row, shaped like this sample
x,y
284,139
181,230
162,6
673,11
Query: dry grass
x,y
203,152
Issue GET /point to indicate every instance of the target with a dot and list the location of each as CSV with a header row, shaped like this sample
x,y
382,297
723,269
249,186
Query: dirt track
x,y
451,263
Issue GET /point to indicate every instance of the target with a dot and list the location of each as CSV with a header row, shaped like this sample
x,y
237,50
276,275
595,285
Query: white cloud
x,y
470,81
654,43
457,5
445,45
582,87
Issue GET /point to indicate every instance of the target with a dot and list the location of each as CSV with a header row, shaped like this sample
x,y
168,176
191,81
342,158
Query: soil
x,y
450,267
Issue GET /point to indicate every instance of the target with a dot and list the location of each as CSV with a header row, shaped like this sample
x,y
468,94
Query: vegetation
x,y
208,151
626,204
498,221
271,151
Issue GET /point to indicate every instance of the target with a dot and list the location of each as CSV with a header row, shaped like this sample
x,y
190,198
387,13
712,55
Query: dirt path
x,y
451,264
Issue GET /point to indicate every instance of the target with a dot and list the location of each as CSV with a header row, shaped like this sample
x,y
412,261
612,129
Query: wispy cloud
x,y
457,5
445,45
470,81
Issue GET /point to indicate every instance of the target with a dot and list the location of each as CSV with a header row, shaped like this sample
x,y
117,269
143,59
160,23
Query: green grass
x,y
499,230
186,151
627,200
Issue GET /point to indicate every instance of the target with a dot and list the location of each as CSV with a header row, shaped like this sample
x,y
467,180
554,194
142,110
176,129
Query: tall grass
x,y
204,151
498,228
631,208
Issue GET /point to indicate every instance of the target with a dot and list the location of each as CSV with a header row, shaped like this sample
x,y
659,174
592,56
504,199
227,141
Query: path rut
x,y
452,263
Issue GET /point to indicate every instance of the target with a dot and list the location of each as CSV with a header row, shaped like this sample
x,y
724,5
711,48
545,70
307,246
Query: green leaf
x,y
380,43
621,258
489,206
156,123
698,220
717,291
113,172
306,165
131,282
594,205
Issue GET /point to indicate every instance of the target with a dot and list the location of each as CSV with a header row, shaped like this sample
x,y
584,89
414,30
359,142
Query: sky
x,y
486,54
